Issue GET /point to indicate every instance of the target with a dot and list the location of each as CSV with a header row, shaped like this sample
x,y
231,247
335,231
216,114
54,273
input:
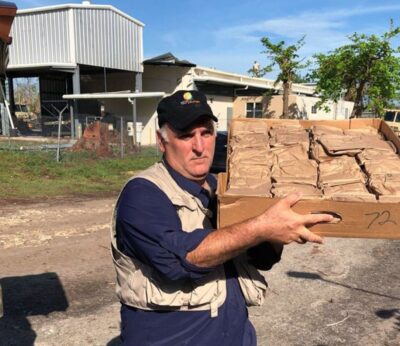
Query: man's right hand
x,y
280,224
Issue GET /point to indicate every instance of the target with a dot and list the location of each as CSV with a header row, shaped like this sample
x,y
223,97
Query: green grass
x,y
31,175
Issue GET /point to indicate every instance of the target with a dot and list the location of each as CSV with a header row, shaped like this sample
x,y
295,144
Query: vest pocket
x,y
131,281
251,281
172,295
210,289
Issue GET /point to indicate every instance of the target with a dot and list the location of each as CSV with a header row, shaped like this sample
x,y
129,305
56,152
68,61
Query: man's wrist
x,y
258,229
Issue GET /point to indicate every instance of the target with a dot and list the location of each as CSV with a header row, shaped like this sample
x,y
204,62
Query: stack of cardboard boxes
x,y
337,165
350,165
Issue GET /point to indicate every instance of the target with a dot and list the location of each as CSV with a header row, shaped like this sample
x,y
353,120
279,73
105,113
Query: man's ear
x,y
160,141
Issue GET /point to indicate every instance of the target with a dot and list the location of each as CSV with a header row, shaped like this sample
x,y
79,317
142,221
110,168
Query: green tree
x,y
287,59
299,78
365,71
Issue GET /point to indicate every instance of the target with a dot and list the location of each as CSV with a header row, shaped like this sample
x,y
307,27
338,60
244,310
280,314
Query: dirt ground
x,y
57,283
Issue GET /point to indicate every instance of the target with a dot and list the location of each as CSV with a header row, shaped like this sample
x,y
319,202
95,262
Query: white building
x,y
94,54
230,95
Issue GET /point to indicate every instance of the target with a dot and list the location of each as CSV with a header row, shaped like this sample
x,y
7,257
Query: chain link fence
x,y
109,137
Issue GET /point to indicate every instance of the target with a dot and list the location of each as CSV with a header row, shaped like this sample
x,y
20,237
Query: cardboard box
x,y
357,219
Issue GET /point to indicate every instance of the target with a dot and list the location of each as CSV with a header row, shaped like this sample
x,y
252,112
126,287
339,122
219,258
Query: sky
x,y
226,34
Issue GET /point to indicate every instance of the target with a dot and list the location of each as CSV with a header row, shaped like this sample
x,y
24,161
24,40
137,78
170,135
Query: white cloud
x,y
324,30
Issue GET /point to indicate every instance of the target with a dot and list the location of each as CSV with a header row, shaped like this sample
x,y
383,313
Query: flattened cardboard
x,y
358,219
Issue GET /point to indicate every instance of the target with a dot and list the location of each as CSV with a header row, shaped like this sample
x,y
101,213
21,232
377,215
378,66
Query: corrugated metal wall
x,y
105,38
101,37
40,38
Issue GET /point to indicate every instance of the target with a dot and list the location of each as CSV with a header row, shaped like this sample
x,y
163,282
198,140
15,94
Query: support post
x,y
5,126
134,123
76,89
11,98
72,120
138,82
132,100
6,104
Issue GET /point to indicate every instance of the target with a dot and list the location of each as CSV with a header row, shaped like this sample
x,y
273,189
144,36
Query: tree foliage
x,y
299,78
287,59
26,92
365,71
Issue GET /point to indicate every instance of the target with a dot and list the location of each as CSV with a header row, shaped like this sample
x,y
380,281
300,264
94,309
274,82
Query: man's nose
x,y
198,144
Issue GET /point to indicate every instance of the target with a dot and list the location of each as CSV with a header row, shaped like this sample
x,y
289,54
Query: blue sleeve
x,y
149,229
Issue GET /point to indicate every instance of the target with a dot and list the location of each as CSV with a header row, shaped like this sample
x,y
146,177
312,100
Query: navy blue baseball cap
x,y
183,108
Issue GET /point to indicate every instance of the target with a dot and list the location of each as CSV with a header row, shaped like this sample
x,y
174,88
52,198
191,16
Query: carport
x,y
130,97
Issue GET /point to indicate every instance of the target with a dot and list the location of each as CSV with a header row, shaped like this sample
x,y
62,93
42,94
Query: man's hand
x,y
280,224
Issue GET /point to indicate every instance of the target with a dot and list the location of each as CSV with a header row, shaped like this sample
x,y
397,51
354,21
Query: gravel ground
x,y
58,283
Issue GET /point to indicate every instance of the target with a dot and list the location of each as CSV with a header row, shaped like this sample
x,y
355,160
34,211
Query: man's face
x,y
190,152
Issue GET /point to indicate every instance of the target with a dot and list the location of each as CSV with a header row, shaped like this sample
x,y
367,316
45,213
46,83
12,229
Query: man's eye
x,y
185,136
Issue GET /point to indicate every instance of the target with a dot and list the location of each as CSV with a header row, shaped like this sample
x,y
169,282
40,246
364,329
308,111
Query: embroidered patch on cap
x,y
187,96
188,99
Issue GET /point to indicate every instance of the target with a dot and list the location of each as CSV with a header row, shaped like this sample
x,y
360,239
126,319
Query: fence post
x,y
122,137
60,112
59,136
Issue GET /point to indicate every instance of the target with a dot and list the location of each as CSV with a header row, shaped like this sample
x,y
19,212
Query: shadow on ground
x,y
315,276
382,313
23,296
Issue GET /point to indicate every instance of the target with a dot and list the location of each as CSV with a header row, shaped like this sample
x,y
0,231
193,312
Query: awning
x,y
114,95
238,83
131,97
206,75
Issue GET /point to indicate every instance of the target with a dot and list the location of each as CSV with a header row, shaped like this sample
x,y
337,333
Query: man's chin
x,y
200,174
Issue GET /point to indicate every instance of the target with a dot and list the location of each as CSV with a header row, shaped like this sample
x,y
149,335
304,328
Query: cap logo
x,y
188,99
187,96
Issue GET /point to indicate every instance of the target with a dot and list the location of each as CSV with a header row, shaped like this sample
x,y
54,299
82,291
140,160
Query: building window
x,y
254,110
314,109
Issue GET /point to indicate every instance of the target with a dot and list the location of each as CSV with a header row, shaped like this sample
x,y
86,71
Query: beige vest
x,y
138,284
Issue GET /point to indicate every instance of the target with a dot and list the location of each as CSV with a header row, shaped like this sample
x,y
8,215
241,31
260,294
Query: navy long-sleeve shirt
x,y
149,229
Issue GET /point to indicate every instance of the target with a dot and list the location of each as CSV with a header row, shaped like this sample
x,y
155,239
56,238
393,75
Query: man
x,y
180,280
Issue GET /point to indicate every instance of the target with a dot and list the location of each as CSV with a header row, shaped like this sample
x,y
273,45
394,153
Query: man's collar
x,y
188,185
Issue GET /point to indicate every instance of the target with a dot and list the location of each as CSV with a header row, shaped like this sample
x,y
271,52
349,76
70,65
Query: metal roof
x,y
204,74
168,59
72,34
79,6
